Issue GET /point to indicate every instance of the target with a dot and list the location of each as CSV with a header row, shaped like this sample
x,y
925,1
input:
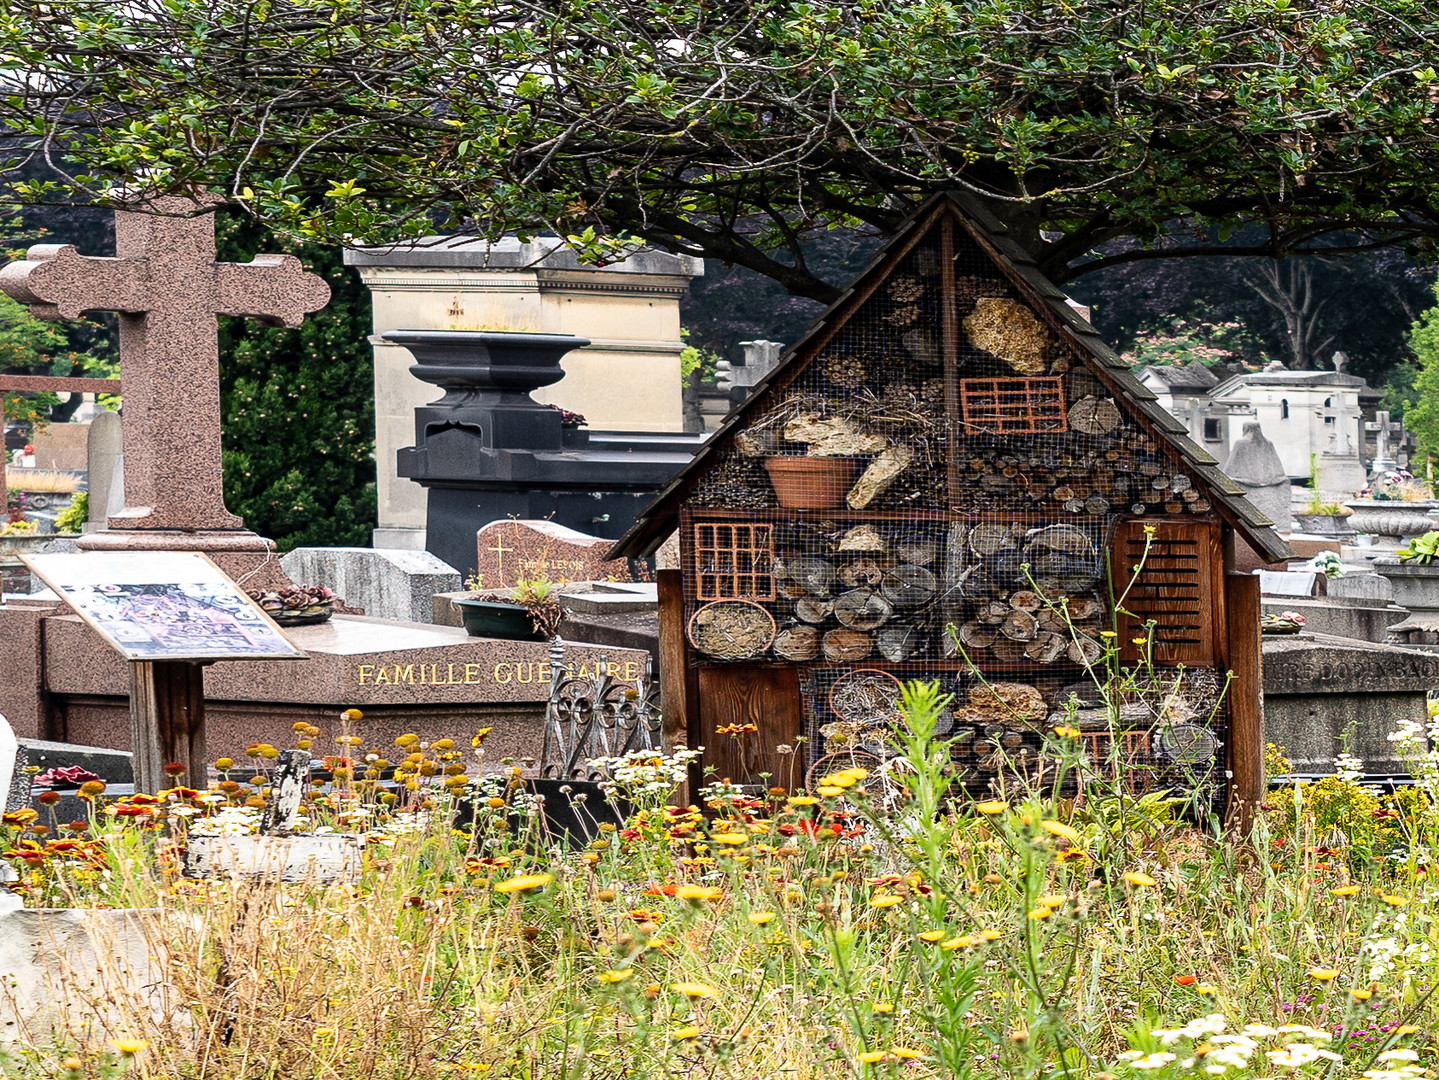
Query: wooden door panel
x,y
1174,586
764,695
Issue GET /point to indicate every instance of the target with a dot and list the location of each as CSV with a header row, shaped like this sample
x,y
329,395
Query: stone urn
x,y
1391,521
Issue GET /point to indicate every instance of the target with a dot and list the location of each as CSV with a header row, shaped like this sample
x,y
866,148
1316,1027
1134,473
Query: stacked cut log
x,y
871,592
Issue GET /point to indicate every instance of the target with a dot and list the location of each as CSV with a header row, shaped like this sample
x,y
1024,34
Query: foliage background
x,y
299,411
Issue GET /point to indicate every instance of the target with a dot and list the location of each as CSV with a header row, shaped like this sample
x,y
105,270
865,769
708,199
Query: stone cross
x,y
1383,430
1340,444
168,289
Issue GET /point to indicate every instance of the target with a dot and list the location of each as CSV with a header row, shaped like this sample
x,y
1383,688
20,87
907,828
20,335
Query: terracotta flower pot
x,y
811,483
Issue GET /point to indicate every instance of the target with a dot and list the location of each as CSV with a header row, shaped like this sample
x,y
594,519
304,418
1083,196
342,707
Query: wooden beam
x,y
949,349
167,723
1245,757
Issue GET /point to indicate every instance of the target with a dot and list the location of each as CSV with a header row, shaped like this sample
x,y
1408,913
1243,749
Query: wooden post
x,y
167,722
675,676
949,351
1246,702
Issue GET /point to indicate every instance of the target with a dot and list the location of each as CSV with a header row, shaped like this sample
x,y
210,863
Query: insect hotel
x,y
951,477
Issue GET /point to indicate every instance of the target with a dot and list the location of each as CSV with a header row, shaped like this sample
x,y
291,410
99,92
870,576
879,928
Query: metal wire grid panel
x,y
1165,732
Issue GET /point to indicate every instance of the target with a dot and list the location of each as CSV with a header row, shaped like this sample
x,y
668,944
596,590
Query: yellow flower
x,y
1052,901
733,839
1324,974
872,1057
990,935
1205,989
1041,912
992,807
617,975
885,900
829,791
904,1053
352,715
690,1032
1108,634
129,1047
802,800
1406,1029
1362,995
695,989
1060,829
1139,877
1140,641
844,778
932,935
1392,900
759,918
697,894
882,1007
1151,529
1346,890
1066,732
525,882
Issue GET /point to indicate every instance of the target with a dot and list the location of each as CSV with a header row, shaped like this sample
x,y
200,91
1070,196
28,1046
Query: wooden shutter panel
x,y
1175,586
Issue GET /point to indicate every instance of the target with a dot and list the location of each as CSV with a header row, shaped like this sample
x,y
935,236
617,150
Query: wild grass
x,y
798,936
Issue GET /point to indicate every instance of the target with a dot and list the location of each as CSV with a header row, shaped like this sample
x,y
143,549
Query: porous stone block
x,y
385,584
69,974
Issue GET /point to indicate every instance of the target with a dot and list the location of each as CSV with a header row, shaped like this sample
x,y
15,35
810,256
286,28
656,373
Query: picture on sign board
x,y
166,605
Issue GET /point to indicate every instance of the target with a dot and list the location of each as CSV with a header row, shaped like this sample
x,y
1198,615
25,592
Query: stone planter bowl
x,y
1392,520
1336,525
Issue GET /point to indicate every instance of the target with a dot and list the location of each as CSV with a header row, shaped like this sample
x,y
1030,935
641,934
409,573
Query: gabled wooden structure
x,y
992,466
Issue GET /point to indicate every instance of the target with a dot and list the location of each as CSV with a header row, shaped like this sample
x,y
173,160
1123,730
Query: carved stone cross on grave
x,y
168,289
1341,444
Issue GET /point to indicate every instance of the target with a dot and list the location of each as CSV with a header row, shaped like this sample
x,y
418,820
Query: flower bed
x,y
804,934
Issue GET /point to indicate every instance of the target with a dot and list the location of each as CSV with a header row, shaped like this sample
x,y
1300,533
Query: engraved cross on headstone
x,y
168,289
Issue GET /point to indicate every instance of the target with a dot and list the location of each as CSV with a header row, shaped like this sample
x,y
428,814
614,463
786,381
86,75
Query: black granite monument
x,y
487,451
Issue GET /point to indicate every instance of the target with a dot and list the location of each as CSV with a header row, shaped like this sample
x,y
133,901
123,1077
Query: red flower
x,y
1185,980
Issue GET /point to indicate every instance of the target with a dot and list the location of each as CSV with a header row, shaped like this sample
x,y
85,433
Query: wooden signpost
x,y
169,613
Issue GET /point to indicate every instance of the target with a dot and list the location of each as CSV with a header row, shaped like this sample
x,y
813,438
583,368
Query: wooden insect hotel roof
x,y
1055,315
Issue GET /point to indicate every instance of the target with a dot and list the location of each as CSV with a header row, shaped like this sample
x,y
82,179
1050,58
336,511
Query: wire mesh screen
x,y
943,460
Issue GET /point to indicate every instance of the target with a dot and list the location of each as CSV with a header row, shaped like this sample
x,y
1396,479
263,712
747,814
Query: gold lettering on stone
x,y
382,676
504,672
632,670
502,666
405,674
520,670
472,674
366,670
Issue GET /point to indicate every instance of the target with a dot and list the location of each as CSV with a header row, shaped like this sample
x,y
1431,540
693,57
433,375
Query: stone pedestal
x,y
1416,588
1339,476
1316,687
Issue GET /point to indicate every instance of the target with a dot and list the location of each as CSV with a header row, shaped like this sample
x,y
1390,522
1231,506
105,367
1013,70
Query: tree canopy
x,y
734,129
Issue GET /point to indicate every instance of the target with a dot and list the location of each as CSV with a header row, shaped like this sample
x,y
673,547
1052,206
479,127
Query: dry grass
x,y
46,481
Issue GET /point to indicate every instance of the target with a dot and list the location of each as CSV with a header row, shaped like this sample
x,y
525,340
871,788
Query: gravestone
x,y
385,584
1338,470
105,467
168,290
1254,464
511,550
1317,688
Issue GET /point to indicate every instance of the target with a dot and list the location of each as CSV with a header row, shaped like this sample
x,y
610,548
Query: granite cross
x,y
168,289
